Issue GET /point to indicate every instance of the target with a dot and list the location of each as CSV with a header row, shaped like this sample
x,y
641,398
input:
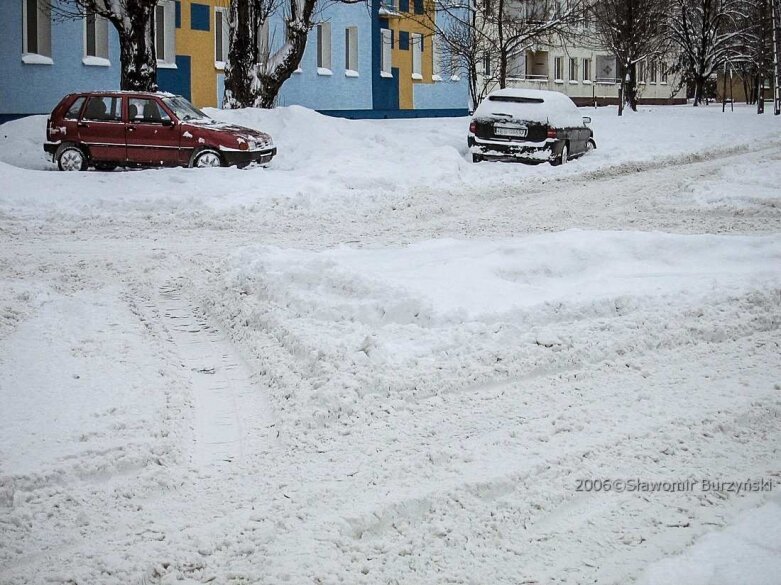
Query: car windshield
x,y
184,110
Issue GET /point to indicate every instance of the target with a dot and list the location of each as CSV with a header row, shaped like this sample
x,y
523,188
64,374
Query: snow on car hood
x,y
544,107
241,133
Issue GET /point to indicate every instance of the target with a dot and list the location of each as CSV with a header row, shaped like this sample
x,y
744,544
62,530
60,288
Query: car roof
x,y
118,92
540,94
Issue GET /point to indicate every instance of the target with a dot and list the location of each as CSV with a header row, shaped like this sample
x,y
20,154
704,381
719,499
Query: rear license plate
x,y
515,131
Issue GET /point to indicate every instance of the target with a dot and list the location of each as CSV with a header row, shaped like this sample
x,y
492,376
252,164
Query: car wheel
x,y
590,145
206,159
563,158
71,158
476,158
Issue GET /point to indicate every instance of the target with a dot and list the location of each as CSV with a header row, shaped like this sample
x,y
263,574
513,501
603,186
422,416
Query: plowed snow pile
x,y
439,315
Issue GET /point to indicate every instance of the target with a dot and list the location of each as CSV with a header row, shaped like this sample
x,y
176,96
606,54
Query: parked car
x,y
117,128
529,125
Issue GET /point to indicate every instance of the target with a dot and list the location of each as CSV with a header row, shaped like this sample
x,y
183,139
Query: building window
x,y
165,34
654,71
573,69
221,37
37,31
663,73
586,69
387,46
558,69
486,64
641,71
95,40
324,48
351,49
417,56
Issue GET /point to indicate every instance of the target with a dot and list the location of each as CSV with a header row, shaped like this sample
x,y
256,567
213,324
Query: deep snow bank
x,y
323,159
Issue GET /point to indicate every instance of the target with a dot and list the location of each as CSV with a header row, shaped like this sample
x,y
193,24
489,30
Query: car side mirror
x,y
168,122
587,119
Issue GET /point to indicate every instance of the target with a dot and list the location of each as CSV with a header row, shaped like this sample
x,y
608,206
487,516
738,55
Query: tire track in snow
x,y
216,374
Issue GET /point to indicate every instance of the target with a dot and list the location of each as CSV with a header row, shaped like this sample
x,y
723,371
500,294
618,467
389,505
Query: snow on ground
x,y
452,309
748,552
375,362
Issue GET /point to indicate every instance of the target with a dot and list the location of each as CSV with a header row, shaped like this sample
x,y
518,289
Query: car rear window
x,y
73,111
515,99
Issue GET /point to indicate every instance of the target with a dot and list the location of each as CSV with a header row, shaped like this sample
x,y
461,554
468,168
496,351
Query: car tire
x,y
590,145
476,158
70,157
563,158
206,158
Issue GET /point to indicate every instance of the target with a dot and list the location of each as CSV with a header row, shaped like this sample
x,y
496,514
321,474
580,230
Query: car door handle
x,y
82,125
131,129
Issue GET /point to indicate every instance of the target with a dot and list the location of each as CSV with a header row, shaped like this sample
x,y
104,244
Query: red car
x,y
119,128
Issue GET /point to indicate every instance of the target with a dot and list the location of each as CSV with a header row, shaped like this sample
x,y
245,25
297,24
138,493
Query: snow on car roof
x,y
531,105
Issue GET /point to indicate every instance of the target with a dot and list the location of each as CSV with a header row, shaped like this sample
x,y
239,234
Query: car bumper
x,y
244,157
51,147
530,151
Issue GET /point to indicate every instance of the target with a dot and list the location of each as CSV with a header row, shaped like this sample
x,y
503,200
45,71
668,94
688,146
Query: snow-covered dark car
x,y
529,125
119,128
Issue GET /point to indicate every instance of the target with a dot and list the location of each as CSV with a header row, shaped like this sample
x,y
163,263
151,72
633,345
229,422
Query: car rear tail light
x,y
473,127
243,146
552,133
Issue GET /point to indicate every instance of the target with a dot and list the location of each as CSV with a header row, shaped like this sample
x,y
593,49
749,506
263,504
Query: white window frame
x,y
351,51
416,40
588,69
436,60
641,72
558,70
221,36
100,58
663,73
323,33
168,59
573,70
42,55
386,54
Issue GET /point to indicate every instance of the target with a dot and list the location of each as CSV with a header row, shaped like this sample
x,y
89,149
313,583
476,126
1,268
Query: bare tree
x,y
633,31
253,74
486,37
134,22
707,34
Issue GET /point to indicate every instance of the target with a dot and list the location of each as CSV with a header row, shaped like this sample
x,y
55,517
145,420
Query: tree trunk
x,y
699,89
240,70
137,49
248,81
630,92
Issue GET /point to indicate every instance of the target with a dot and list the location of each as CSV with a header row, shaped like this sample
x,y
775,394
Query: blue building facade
x,y
36,73
365,60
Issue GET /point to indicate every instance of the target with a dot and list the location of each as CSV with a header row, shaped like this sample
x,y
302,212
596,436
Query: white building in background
x,y
584,72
